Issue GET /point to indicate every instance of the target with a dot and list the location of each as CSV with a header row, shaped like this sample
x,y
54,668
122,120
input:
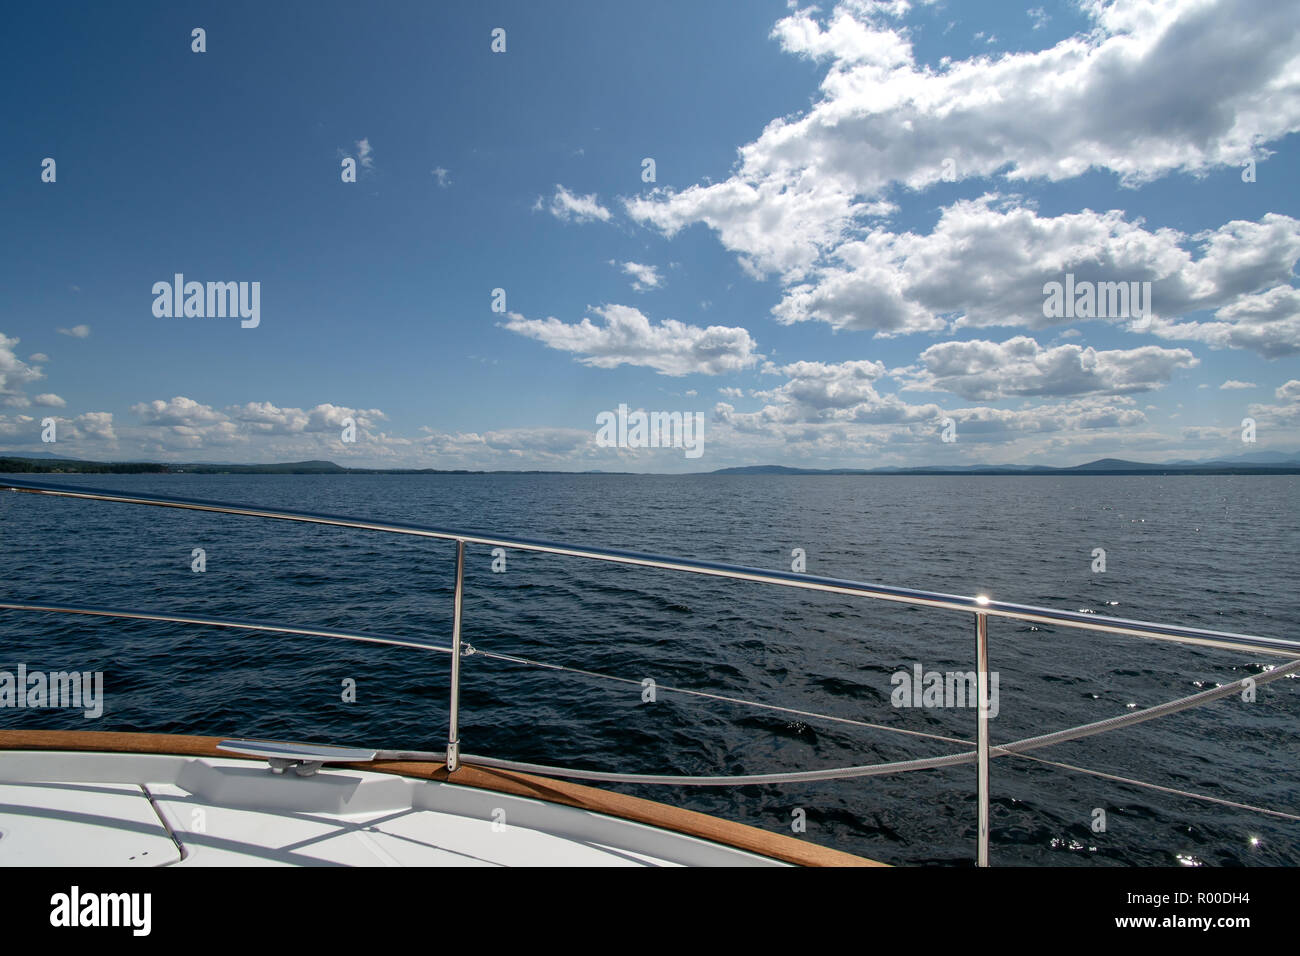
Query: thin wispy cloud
x,y
644,277
569,207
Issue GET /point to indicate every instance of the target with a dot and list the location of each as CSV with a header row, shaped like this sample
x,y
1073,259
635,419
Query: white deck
x,y
101,809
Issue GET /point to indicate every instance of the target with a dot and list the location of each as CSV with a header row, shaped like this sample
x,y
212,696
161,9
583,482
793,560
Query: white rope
x,y
1013,749
1155,786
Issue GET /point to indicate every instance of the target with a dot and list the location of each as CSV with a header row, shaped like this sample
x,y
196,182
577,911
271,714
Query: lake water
x,y
1216,552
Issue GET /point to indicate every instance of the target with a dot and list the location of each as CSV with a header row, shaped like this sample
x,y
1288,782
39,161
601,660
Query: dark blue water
x,y
1217,552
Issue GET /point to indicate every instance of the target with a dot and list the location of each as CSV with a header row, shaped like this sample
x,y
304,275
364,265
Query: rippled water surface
x,y
1217,552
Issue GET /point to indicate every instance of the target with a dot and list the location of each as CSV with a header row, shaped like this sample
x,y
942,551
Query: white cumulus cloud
x,y
625,336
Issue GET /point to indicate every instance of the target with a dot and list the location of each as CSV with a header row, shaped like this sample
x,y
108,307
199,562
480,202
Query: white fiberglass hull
x,y
103,808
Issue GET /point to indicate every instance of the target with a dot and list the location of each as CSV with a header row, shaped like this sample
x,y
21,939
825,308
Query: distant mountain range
x,y
1249,463
1264,462
1262,457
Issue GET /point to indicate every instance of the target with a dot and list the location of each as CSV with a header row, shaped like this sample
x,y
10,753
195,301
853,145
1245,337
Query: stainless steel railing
x,y
979,606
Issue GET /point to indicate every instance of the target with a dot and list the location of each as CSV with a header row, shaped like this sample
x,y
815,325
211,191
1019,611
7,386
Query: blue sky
x,y
844,248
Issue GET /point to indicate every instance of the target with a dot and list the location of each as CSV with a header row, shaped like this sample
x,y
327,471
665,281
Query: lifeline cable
x,y
1015,748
